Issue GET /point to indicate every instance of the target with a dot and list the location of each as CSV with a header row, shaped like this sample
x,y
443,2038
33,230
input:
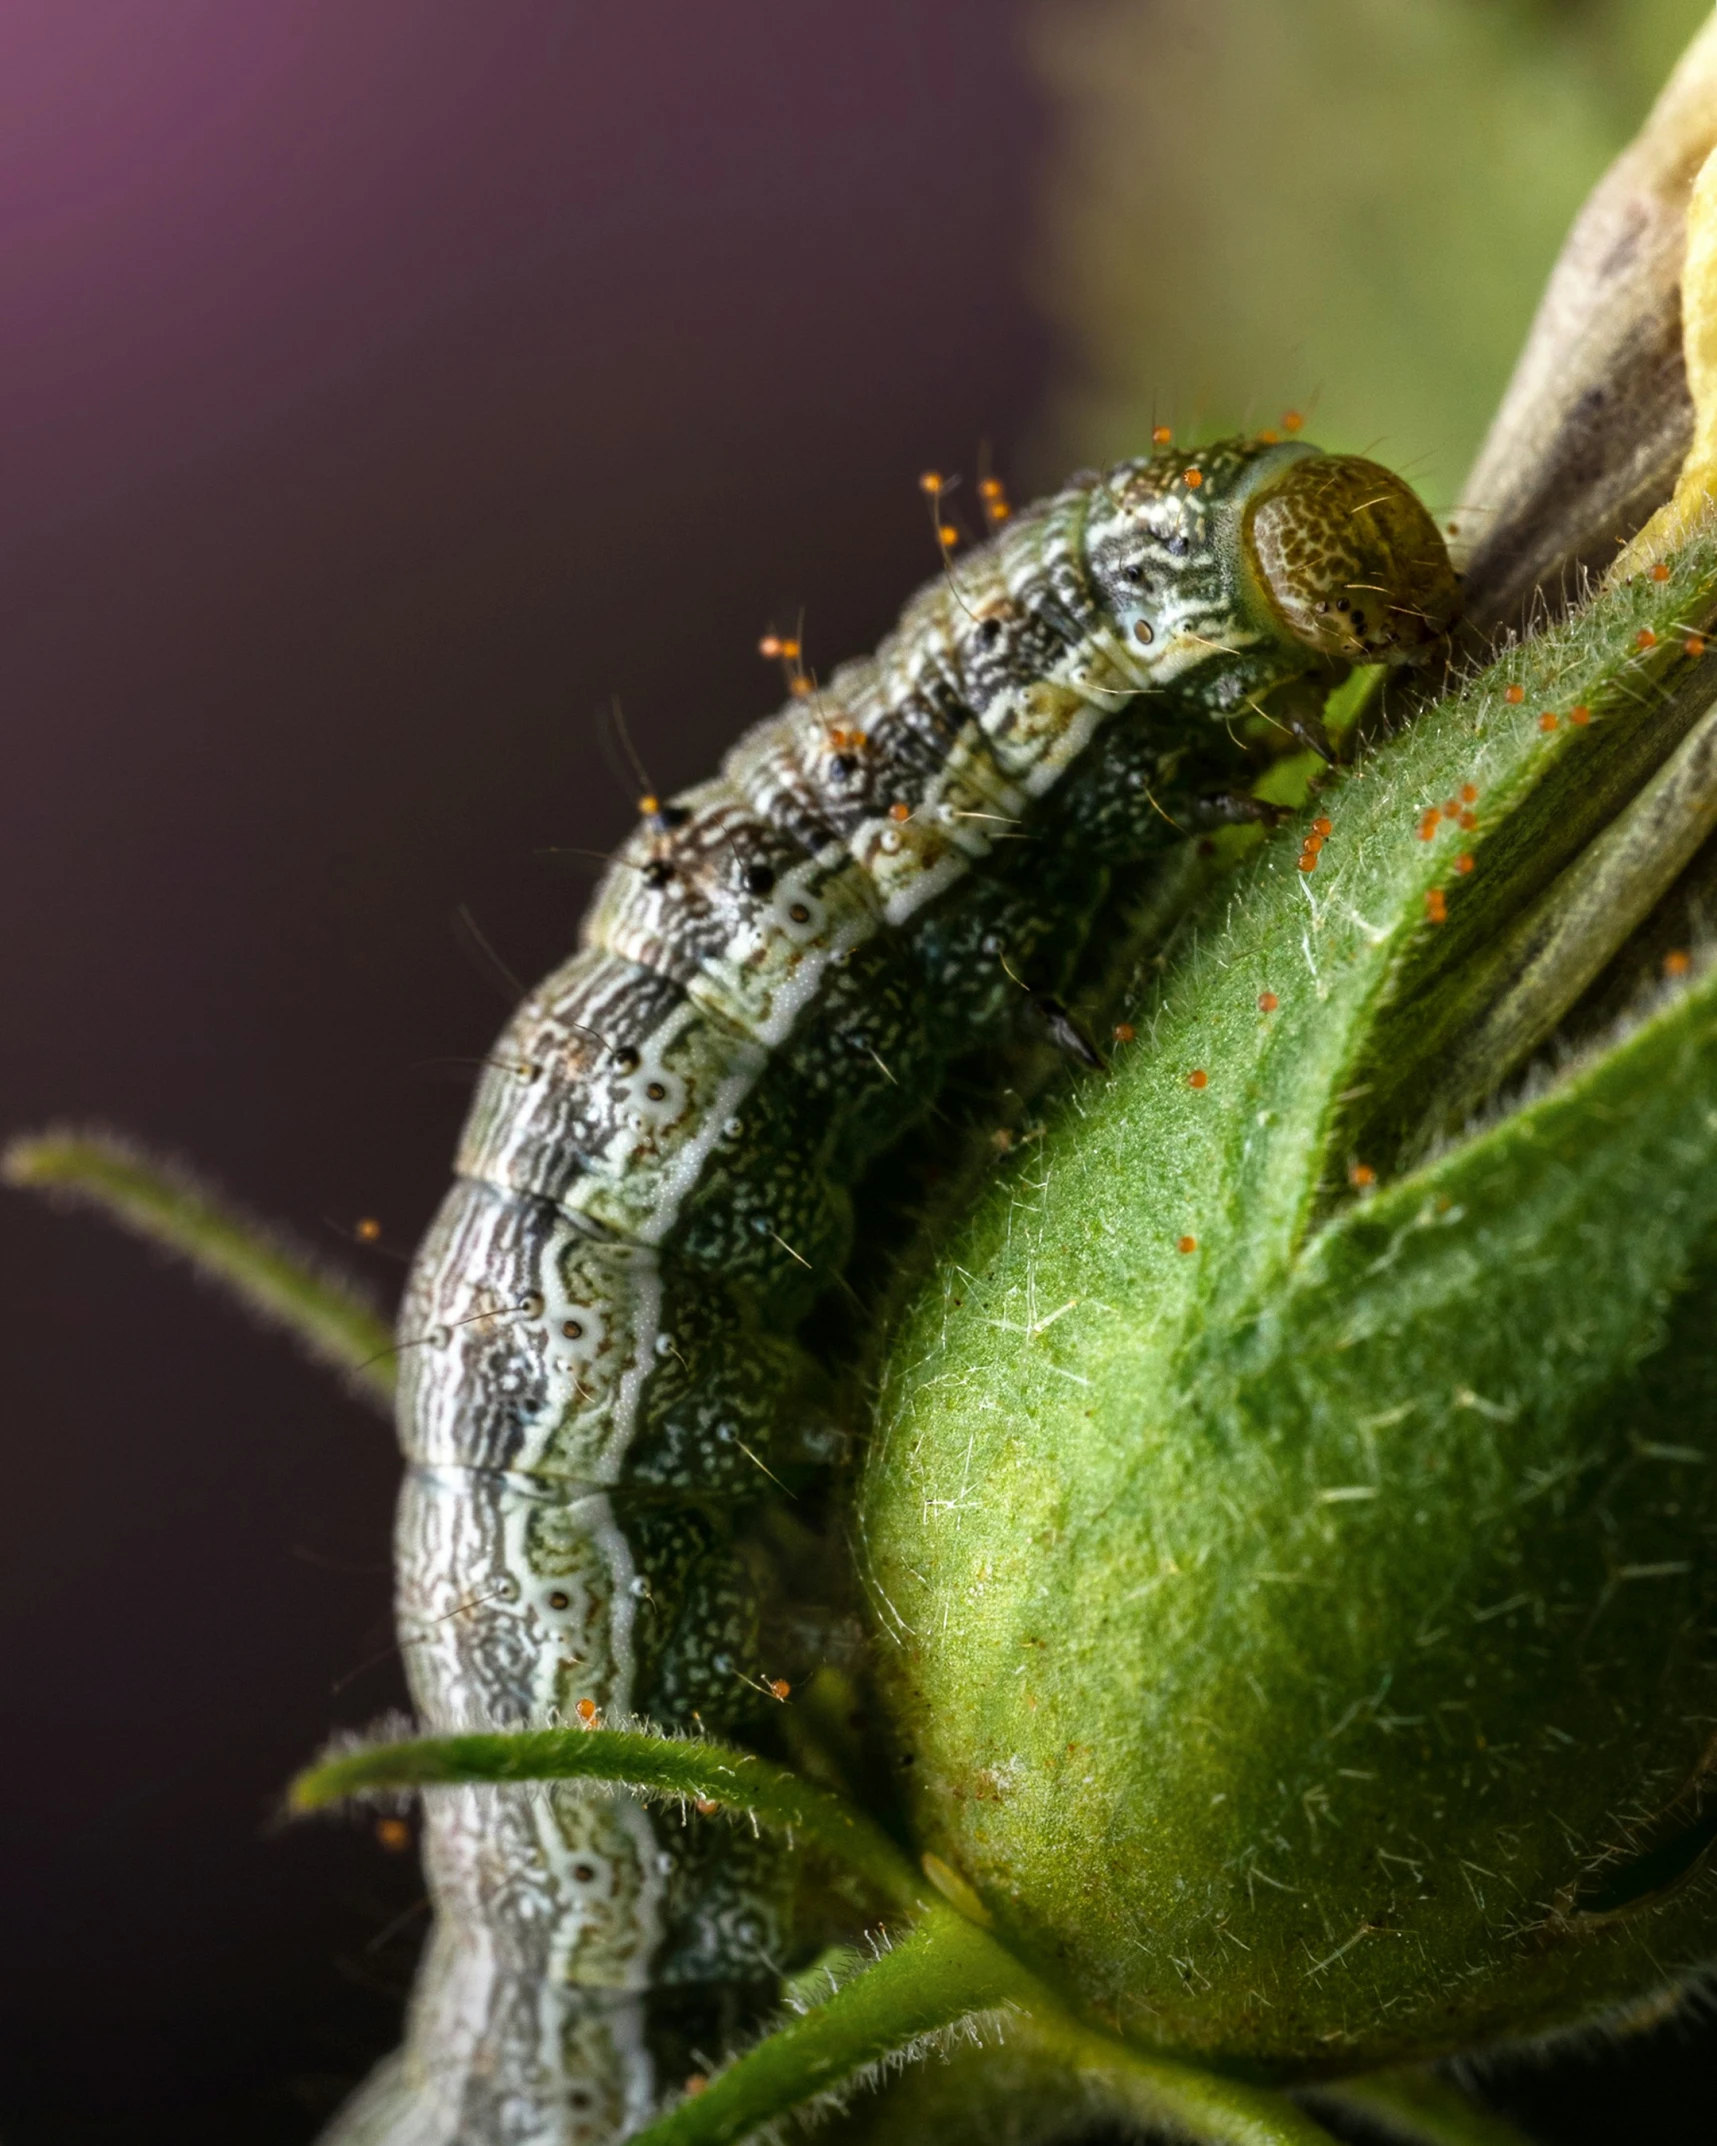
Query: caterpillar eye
x,y
759,880
1351,562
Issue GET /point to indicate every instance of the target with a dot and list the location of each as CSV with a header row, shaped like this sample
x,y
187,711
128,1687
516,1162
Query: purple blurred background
x,y
384,387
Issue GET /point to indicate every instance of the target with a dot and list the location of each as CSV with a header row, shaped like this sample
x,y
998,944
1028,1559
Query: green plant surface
x,y
1418,2106
1343,204
944,1968
1291,1565
329,1314
1288,1523
940,1971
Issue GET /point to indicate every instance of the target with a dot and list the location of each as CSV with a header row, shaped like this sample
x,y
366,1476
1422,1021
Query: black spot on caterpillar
x,y
604,1388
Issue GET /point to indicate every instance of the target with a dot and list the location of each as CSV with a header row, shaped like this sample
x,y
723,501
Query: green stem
x,y
1417,2106
945,1969
699,1770
1192,2103
941,1970
328,1314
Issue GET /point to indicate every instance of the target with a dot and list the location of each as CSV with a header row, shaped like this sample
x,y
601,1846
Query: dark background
x,y
384,387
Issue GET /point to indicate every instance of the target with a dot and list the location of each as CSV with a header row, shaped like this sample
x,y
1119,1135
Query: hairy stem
x,y
945,1967
1191,2103
941,1970
1416,2105
701,1771
327,1313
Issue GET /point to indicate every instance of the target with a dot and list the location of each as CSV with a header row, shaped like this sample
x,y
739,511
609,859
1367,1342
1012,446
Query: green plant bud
x,y
1289,1522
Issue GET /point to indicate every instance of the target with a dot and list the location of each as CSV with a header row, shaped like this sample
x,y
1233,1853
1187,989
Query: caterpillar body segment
x,y
603,1400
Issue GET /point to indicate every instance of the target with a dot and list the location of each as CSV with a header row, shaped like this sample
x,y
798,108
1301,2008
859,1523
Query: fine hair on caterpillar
x,y
619,1427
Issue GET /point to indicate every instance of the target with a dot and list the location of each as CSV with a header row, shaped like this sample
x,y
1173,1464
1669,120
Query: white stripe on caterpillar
x,y
601,1391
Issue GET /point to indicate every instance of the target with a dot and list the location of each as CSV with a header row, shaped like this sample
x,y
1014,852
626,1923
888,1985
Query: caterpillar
x,y
607,1392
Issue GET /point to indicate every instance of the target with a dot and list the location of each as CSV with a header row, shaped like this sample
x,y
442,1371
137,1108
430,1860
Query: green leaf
x,y
329,1314
1292,1564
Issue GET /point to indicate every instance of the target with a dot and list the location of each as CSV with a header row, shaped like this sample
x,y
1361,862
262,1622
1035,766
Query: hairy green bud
x,y
1288,1526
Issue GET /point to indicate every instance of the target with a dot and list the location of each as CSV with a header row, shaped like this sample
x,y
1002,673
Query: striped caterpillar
x,y
603,1386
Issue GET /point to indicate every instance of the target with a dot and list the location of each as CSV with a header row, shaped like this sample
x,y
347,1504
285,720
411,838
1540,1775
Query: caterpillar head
x,y
1351,562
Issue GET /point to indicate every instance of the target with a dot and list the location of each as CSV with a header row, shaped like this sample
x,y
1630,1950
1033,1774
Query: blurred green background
x,y
1344,206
